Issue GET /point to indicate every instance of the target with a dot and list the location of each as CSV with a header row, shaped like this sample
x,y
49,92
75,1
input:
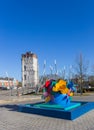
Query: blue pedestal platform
x,y
71,112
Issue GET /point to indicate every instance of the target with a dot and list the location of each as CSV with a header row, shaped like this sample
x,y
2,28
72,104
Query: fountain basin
x,y
70,112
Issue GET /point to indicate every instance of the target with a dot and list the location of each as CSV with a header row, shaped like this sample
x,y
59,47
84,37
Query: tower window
x,y
24,77
24,68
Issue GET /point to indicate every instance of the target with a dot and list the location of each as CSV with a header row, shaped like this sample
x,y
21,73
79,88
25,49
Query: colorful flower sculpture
x,y
58,92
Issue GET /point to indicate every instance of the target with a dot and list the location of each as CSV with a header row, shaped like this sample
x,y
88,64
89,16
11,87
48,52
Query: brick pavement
x,y
11,119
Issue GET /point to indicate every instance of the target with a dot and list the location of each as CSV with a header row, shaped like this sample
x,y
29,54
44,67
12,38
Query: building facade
x,y
29,65
8,82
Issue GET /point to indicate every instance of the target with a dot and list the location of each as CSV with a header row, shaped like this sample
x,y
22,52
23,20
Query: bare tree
x,y
92,69
81,70
91,77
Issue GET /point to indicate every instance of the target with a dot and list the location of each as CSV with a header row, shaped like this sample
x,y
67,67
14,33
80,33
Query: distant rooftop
x,y
6,78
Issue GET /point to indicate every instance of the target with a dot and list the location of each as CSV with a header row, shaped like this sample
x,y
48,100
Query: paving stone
x,y
11,119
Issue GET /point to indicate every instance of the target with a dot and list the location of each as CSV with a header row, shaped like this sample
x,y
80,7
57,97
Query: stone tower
x,y
30,77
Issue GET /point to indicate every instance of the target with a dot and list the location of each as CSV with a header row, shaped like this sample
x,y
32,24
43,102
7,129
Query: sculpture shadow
x,y
10,107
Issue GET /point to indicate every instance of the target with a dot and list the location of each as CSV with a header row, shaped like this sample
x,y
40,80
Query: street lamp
x,y
9,83
63,72
51,69
70,72
56,72
44,68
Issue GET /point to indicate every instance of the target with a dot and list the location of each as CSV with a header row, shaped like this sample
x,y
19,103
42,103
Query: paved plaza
x,y
11,119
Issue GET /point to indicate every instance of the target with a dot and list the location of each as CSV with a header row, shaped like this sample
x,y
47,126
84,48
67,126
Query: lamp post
x,y
55,68
9,83
51,69
44,68
44,71
70,72
63,72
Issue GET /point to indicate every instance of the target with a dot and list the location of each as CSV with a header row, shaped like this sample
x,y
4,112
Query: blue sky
x,y
53,29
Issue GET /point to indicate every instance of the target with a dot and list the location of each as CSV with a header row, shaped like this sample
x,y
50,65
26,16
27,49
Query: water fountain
x,y
58,101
